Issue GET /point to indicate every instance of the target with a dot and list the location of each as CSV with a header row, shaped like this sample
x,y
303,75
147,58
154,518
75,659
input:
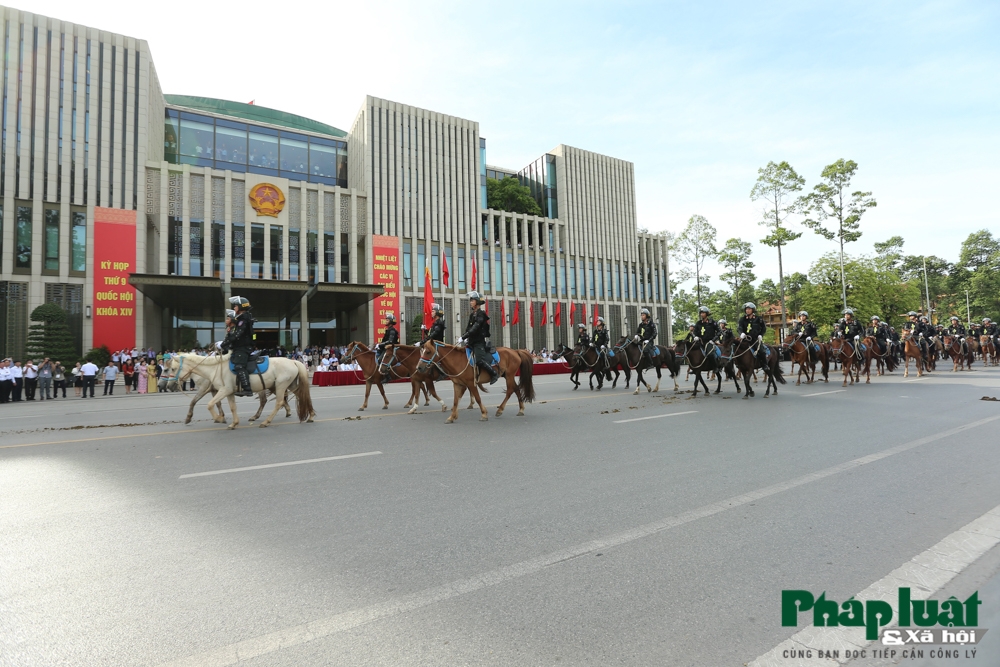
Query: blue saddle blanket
x,y
496,356
863,347
255,365
718,352
816,346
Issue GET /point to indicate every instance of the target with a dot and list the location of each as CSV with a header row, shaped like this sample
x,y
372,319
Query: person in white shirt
x,y
30,380
6,386
17,381
89,372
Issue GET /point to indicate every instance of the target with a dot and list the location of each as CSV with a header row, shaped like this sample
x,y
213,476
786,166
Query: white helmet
x,y
475,295
749,304
803,313
230,313
581,325
390,317
600,320
644,311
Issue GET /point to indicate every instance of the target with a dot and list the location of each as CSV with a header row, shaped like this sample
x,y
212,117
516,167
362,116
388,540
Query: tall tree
x,y
735,256
829,201
776,185
890,252
50,335
696,244
980,264
509,195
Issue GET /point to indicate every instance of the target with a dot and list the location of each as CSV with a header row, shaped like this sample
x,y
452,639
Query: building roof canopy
x,y
254,113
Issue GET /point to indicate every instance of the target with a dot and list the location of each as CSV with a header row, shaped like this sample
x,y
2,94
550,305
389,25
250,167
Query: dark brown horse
x,y
700,360
806,356
960,354
843,351
630,355
745,356
989,349
454,363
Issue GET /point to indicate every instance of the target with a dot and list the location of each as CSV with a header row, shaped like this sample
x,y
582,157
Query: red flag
x,y
516,317
545,313
558,313
531,314
572,311
472,283
503,313
444,269
428,298
595,314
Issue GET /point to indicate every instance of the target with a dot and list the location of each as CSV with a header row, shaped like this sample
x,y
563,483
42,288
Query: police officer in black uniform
x,y
805,328
851,327
975,331
752,327
989,328
436,332
582,338
920,332
705,329
477,335
240,340
601,338
645,334
724,333
880,332
390,337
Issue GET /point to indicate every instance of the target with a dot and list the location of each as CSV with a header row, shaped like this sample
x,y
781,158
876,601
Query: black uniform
x,y
958,330
239,340
436,332
583,340
706,330
601,338
390,337
805,329
724,335
990,330
852,328
647,333
477,333
921,332
754,327
880,332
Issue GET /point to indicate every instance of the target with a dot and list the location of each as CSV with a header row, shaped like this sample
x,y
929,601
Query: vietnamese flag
x,y
503,313
472,283
595,314
558,313
444,269
545,313
572,311
428,298
516,317
531,314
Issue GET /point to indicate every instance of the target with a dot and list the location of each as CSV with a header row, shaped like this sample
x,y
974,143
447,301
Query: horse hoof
x,y
499,412
484,419
231,427
444,408
717,391
520,413
385,407
361,409
636,392
309,421
261,425
449,420
411,411
649,389
745,398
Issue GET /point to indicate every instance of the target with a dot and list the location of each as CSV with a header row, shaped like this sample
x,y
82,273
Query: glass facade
x,y
540,178
51,240
207,141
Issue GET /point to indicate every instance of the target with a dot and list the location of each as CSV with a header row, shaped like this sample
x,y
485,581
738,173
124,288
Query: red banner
x,y
114,260
385,272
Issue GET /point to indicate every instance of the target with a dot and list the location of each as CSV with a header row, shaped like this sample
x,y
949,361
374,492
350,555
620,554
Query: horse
x,y
453,362
400,361
569,354
989,349
745,359
880,358
843,351
911,350
597,361
961,355
700,360
203,386
634,359
282,375
803,356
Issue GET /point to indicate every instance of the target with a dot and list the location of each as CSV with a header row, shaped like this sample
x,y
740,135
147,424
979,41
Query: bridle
x,y
431,361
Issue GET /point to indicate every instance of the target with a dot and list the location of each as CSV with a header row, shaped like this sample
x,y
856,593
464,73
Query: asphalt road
x,y
599,529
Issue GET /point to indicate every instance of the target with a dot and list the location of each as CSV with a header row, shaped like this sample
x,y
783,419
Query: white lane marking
x,y
822,393
324,627
276,465
924,574
641,419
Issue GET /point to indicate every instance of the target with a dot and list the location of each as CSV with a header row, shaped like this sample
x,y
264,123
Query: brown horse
x,y
400,361
989,350
961,355
844,352
802,356
881,359
453,362
745,360
911,350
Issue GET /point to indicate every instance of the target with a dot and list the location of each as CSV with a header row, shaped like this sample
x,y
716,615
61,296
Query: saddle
x,y
472,359
256,365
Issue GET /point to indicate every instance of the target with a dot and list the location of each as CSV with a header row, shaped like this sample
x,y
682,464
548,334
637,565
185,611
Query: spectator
x,y
141,373
45,380
89,373
77,375
110,375
5,382
58,380
17,381
128,371
30,372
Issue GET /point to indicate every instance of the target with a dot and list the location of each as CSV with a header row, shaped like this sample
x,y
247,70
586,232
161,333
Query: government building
x,y
140,213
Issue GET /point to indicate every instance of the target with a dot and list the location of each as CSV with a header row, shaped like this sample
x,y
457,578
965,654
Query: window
x,y
600,281
531,277
451,266
293,254
197,137
171,134
218,249
230,143
572,277
51,239
330,256
22,255
196,248
435,267
276,253
294,153
175,245
541,278
256,252
421,264
239,241
263,150
552,276
562,276
498,267
521,259
510,271
78,241
407,256
322,160
590,279
345,258
486,271
342,165
461,269
312,255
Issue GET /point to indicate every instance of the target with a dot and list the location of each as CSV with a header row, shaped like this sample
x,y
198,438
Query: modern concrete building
x,y
323,229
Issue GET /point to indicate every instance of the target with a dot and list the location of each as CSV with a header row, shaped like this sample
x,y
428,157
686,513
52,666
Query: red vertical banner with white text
x,y
385,272
114,260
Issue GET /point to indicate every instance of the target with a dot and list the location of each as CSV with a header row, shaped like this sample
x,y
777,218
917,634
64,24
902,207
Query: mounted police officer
x,y
601,338
851,327
975,331
477,335
752,328
645,334
919,332
705,329
436,331
390,337
240,340
956,328
880,332
989,328
582,337
725,333
805,328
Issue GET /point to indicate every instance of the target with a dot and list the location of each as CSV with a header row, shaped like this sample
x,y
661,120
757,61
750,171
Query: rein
x,y
437,364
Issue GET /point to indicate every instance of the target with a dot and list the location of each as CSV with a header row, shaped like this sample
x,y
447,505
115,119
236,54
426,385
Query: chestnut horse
x,y
989,349
961,355
802,356
453,362
911,350
881,359
843,351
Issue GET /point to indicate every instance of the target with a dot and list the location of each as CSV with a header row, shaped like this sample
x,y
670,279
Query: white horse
x,y
282,375
203,386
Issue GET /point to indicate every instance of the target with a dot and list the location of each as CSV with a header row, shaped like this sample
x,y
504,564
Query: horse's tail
x,y
890,362
303,402
526,389
778,372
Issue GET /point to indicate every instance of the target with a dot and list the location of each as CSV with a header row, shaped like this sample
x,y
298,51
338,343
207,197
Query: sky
x,y
698,96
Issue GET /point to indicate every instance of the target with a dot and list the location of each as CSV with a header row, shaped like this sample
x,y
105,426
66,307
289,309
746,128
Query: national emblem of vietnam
x,y
267,199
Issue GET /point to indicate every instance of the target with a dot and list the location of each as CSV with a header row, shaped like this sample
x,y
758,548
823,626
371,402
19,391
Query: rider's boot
x,y
244,381
494,376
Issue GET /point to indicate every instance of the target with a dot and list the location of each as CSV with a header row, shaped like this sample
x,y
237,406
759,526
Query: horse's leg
x,y
201,393
429,384
368,390
216,399
474,390
638,381
385,398
511,388
262,398
459,392
414,396
225,392
288,408
279,400
718,377
659,376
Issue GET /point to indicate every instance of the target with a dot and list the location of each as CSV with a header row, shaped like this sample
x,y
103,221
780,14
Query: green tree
x,y
891,252
979,261
695,245
794,285
872,289
827,203
943,281
413,334
50,335
739,276
768,292
776,185
509,195
99,356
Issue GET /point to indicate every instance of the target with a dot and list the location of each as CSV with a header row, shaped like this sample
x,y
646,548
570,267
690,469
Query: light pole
x,y
927,292
968,310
